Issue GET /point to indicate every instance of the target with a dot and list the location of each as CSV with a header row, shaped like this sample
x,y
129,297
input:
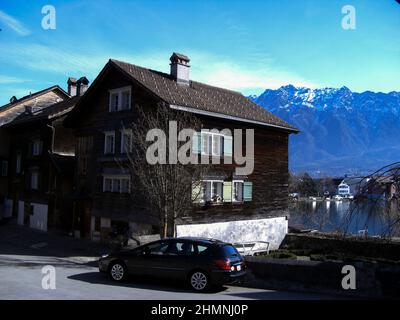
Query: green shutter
x,y
196,142
248,191
196,191
227,191
228,146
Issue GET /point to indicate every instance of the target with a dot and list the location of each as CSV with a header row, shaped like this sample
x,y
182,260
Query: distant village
x,y
304,187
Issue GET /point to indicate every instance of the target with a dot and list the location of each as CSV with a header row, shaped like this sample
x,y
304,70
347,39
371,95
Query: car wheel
x,y
198,281
118,271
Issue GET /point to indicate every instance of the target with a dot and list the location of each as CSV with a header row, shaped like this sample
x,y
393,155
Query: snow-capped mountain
x,y
341,131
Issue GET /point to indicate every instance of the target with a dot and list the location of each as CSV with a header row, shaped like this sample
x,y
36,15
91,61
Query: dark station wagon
x,y
201,262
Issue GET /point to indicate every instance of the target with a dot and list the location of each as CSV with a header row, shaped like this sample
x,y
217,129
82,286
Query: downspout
x,y
53,130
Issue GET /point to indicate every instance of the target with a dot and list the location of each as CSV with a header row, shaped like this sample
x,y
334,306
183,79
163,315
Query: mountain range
x,y
341,132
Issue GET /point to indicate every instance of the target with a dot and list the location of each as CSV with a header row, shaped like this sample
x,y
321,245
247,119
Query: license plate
x,y
239,267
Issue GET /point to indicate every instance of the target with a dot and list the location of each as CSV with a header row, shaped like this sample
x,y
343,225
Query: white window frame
x,y
116,177
211,193
233,190
211,145
119,92
123,132
109,134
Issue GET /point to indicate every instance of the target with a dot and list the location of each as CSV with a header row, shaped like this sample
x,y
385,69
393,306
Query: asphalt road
x,y
23,254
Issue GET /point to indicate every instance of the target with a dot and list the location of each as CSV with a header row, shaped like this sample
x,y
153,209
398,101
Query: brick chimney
x,y
71,86
180,68
81,86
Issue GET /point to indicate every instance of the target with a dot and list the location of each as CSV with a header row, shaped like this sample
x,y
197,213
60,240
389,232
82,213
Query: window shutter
x,y
196,189
196,142
228,146
248,191
227,191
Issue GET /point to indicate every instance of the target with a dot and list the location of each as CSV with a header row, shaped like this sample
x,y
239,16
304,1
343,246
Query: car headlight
x,y
105,255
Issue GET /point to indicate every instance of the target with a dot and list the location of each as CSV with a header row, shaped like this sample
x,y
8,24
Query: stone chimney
x,y
180,68
71,86
81,86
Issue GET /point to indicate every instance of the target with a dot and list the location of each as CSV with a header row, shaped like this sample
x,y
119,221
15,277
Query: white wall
x,y
272,230
39,218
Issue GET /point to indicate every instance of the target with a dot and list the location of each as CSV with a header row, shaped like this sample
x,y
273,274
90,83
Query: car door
x,y
145,259
176,260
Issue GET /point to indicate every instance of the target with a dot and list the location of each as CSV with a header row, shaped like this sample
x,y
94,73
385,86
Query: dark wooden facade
x,y
270,176
54,172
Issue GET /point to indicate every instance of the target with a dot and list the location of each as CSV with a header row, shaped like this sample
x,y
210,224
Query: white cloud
x,y
9,80
14,24
250,75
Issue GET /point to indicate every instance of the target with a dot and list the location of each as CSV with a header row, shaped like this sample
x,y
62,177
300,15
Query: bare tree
x,y
376,204
167,187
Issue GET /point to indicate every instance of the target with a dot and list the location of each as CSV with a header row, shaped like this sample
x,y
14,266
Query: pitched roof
x,y
11,111
202,97
49,112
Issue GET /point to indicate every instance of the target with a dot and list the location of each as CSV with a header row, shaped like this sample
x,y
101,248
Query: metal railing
x,y
251,248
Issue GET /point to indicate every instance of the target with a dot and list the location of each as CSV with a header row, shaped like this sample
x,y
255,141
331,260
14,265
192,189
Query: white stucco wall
x,y
272,230
39,218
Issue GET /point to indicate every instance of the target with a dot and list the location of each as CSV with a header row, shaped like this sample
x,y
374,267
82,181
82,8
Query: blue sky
x,y
242,45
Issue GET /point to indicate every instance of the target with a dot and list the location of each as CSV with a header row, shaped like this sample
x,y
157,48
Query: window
x,y
18,163
37,147
4,168
206,140
212,190
211,143
217,191
157,248
126,141
237,191
125,185
116,184
107,184
114,101
34,180
109,142
120,99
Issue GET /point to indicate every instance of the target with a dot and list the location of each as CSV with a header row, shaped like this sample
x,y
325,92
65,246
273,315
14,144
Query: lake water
x,y
378,217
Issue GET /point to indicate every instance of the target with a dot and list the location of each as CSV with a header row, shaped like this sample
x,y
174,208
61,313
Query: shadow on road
x,y
142,283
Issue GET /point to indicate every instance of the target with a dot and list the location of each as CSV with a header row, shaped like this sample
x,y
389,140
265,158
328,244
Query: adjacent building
x,y
16,107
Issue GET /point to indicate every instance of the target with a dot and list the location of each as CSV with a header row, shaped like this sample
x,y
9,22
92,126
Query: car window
x,y
178,248
157,248
230,251
202,250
